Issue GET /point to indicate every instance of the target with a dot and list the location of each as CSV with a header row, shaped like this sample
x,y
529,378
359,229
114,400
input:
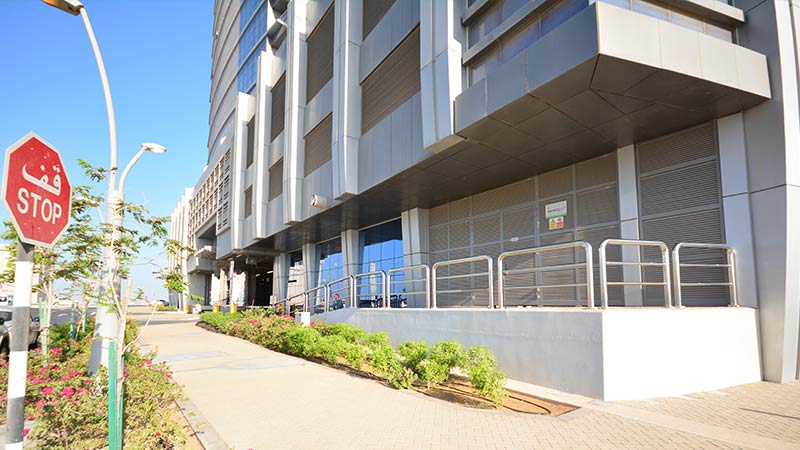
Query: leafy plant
x,y
301,341
481,367
330,347
355,354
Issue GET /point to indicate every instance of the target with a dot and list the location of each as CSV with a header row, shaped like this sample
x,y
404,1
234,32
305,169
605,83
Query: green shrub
x,y
301,341
447,353
386,362
376,340
355,354
349,332
481,366
219,320
166,308
413,352
330,347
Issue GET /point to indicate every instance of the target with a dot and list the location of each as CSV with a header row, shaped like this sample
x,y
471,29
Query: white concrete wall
x,y
616,354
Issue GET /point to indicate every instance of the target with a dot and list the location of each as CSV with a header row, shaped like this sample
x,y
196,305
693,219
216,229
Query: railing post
x,y
589,275
427,286
601,253
433,286
732,277
490,264
500,288
676,274
666,275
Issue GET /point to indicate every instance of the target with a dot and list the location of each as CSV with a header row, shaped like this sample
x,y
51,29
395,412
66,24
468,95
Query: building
x,y
180,262
353,136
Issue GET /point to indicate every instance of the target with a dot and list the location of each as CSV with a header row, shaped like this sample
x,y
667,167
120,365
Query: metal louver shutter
x,y
278,108
318,146
680,201
393,82
320,55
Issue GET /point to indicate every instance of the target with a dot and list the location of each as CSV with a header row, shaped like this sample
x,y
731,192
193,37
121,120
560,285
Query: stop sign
x,y
36,191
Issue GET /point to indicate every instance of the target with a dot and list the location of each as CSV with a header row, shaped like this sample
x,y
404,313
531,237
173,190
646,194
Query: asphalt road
x,y
60,315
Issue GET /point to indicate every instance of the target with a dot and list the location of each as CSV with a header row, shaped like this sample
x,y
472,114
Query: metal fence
x,y
586,265
391,289
401,295
664,264
730,265
488,273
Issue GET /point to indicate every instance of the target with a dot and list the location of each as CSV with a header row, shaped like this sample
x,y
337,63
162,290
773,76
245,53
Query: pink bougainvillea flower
x,y
47,390
68,392
87,381
31,417
25,432
74,374
56,350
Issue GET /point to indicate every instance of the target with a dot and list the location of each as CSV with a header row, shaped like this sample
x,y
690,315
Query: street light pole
x,y
107,325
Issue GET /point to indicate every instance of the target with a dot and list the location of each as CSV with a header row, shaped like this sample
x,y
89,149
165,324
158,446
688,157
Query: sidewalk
x,y
258,399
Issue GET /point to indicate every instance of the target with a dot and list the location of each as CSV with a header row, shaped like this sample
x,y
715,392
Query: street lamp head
x,y
71,6
153,148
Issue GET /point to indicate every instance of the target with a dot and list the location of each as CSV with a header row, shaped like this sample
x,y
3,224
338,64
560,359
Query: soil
x,y
457,389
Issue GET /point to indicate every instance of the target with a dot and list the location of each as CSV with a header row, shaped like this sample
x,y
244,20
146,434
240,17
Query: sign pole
x,y
18,357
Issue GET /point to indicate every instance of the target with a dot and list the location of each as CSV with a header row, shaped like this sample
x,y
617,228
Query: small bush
x,y
166,308
301,341
447,353
386,362
349,332
355,354
374,341
330,347
414,352
481,366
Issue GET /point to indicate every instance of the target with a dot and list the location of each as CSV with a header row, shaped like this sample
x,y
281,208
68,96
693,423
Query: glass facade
x,y
382,247
252,29
330,262
297,273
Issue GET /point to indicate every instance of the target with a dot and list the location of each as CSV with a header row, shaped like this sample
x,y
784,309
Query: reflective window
x,y
330,262
382,247
297,273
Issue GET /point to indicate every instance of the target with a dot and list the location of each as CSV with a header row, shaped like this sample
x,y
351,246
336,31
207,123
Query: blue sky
x,y
158,59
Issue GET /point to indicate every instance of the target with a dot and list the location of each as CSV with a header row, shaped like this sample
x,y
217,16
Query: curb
x,y
206,434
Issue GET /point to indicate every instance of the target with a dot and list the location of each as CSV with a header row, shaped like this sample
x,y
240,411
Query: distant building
x,y
352,136
5,288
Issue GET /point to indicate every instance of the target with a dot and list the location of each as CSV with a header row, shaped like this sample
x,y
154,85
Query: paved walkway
x,y
254,398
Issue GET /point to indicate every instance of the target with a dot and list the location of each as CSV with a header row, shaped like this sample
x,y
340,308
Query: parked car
x,y
6,330
6,300
161,302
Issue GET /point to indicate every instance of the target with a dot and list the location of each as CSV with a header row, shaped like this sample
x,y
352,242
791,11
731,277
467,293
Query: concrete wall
x,y
617,354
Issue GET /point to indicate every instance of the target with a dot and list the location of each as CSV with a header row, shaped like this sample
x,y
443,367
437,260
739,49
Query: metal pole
x,y
500,288
732,276
676,275
105,330
601,261
433,287
667,277
18,355
121,403
589,276
490,264
72,322
112,396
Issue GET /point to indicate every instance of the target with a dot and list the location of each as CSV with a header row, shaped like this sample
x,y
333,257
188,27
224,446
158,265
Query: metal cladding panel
x,y
519,223
566,296
596,171
486,229
320,55
597,206
278,108
596,236
503,197
439,240
556,182
680,201
569,220
372,13
392,83
438,215
318,146
275,180
460,234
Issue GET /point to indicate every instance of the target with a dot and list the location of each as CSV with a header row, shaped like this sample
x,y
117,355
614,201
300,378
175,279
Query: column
x,y
263,117
351,252
280,276
415,224
442,40
629,221
346,97
311,265
294,150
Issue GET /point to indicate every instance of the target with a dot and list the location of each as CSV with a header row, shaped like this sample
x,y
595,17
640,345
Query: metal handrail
x,y
604,283
337,281
587,265
324,289
427,281
731,265
382,284
489,272
289,299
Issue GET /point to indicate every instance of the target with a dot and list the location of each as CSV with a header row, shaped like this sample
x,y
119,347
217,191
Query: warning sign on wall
x,y
555,214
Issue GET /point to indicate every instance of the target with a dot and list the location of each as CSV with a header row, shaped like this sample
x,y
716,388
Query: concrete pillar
x,y
311,265
772,140
294,150
442,77
415,224
346,97
245,107
263,119
351,252
629,221
280,276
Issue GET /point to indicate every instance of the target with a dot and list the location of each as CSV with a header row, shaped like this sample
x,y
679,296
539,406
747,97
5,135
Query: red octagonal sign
x,y
36,191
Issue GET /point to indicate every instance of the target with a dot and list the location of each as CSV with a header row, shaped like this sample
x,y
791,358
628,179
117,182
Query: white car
x,y
6,300
5,330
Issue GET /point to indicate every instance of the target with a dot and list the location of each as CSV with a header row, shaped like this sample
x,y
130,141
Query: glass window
x,y
650,9
484,25
382,247
297,273
329,257
520,40
561,13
